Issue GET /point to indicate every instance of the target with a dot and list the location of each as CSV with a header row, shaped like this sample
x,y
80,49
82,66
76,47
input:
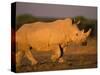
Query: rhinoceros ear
x,y
73,21
88,32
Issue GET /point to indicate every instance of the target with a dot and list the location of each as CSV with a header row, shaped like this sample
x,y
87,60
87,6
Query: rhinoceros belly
x,y
45,39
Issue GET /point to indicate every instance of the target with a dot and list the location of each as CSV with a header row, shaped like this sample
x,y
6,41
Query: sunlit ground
x,y
76,57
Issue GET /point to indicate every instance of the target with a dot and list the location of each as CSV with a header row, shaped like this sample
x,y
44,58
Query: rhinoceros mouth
x,y
84,43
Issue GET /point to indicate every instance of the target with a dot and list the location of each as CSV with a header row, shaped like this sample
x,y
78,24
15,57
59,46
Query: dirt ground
x,y
76,57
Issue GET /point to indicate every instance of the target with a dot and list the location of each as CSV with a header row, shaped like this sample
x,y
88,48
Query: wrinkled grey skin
x,y
52,36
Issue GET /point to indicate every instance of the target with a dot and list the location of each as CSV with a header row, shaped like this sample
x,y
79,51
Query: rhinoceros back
x,y
42,35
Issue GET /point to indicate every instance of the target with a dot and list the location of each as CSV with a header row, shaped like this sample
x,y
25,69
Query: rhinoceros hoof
x,y
61,60
54,58
35,62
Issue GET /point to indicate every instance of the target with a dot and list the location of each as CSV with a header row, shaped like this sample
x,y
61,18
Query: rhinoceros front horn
x,y
82,30
88,32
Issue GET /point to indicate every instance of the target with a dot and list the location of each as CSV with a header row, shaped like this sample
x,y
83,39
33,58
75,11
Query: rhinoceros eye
x,y
76,34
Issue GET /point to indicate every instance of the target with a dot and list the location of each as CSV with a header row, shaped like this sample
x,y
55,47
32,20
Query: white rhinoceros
x,y
47,36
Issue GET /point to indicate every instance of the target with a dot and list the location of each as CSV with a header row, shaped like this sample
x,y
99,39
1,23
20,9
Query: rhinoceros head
x,y
78,36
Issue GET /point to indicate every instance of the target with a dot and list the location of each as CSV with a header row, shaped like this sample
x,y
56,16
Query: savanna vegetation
x,y
85,23
75,56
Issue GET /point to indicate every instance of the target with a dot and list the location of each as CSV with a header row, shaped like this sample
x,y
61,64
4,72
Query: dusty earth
x,y
75,57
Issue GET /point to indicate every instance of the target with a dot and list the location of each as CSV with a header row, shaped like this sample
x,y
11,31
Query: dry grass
x,y
75,57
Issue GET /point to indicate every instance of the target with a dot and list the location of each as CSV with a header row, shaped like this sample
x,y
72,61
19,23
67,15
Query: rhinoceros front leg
x,y
30,57
57,53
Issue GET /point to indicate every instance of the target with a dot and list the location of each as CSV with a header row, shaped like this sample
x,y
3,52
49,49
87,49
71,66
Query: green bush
x,y
84,22
24,18
27,18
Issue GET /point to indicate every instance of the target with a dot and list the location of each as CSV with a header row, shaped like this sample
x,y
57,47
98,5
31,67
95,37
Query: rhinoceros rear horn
x,y
88,32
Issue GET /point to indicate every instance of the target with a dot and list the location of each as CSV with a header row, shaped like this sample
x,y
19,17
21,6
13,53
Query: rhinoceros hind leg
x,y
30,57
19,55
56,54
